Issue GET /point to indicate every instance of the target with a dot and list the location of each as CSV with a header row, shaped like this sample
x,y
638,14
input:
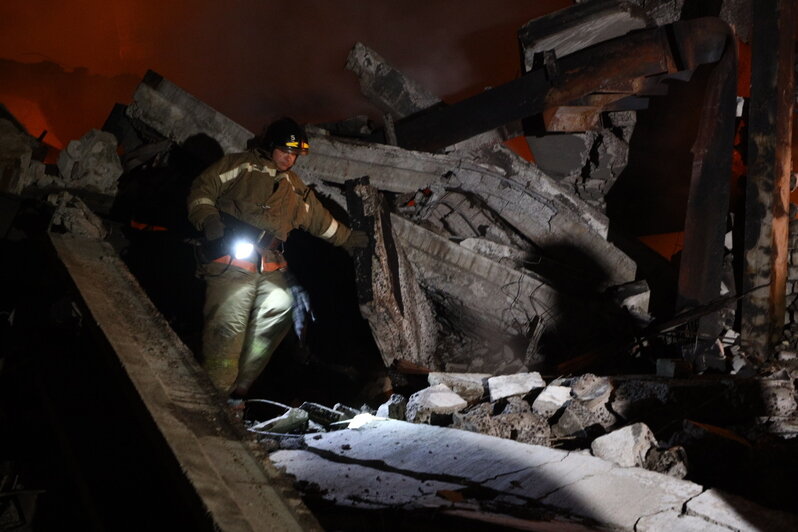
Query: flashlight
x,y
243,249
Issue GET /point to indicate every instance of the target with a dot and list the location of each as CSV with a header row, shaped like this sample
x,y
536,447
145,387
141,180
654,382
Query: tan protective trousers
x,y
247,315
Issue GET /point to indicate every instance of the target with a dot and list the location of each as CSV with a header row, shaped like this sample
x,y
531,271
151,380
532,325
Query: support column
x,y
769,165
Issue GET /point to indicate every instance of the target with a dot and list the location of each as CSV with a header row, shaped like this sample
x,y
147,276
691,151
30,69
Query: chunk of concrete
x,y
395,407
671,461
778,397
627,446
519,384
579,421
438,399
469,386
71,215
551,400
91,163
591,390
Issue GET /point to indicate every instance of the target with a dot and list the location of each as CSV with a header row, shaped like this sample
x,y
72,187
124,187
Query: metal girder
x,y
668,49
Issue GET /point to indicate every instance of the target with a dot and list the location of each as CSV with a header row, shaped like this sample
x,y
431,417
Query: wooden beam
x,y
767,188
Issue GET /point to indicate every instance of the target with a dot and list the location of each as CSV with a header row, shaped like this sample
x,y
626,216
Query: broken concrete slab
x,y
627,446
578,484
590,389
577,27
179,116
71,215
236,488
395,407
737,513
469,386
435,400
399,96
390,297
534,205
504,386
551,400
580,422
91,163
360,486
18,169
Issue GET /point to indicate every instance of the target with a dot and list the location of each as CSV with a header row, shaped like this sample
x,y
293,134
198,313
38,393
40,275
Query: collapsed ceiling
x,y
500,297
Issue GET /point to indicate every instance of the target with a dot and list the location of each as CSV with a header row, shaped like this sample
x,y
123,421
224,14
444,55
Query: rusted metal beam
x,y
579,74
767,188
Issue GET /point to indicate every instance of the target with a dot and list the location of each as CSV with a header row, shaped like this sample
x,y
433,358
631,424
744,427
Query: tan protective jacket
x,y
243,185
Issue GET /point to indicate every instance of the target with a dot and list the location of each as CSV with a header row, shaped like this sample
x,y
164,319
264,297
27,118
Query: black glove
x,y
357,239
213,227
300,309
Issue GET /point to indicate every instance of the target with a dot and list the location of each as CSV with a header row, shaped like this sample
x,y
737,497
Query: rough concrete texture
x,y
518,384
627,446
737,513
397,309
91,163
534,204
778,397
590,389
516,422
238,490
179,116
633,396
360,486
438,399
71,215
580,421
395,407
469,386
551,400
571,483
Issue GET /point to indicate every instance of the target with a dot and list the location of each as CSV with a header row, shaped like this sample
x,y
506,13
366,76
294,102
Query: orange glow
x,y
521,147
30,115
666,244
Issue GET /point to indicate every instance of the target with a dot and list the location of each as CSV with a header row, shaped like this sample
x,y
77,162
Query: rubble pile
x,y
493,279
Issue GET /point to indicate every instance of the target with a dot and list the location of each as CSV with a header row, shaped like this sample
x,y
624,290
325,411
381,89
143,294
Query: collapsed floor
x,y
497,313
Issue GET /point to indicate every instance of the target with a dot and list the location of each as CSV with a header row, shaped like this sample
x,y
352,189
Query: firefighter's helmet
x,y
284,134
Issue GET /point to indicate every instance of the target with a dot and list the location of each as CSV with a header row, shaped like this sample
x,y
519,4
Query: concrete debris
x,y
516,422
551,400
469,386
778,397
390,297
590,389
634,396
91,163
509,385
635,298
577,27
671,461
18,167
662,12
581,422
503,470
71,215
430,404
395,408
627,446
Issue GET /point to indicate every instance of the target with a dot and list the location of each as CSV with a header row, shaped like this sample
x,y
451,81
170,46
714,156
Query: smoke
x,y
252,60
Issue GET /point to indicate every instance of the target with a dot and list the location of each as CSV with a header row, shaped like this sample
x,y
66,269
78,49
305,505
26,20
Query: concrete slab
x,y
239,490
739,514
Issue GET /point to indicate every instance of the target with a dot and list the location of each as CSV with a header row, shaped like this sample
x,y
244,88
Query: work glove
x,y
357,239
213,227
300,309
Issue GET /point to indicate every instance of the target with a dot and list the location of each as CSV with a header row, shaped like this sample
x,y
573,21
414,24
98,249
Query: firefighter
x,y
250,302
